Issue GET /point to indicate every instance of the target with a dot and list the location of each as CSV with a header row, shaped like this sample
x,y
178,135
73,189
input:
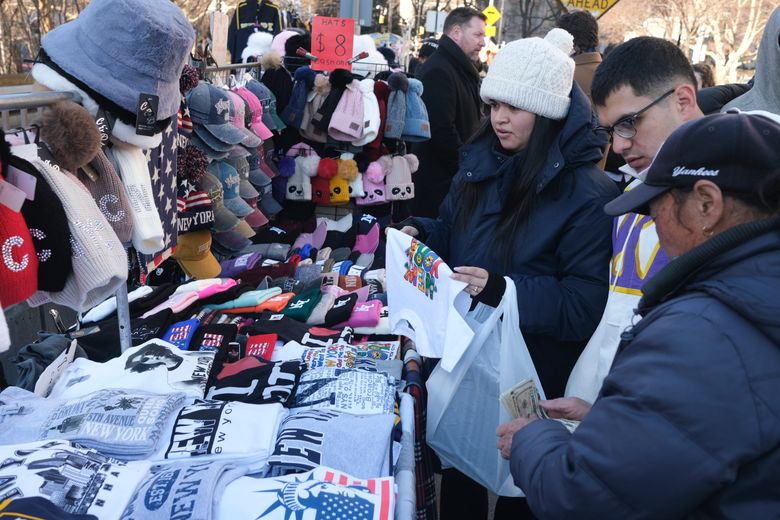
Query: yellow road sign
x,y
490,30
493,14
596,7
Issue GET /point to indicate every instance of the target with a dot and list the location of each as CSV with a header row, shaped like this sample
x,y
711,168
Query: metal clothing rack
x,y
15,110
222,73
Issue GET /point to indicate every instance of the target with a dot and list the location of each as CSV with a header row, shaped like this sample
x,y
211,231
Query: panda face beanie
x,y
373,185
533,74
399,181
299,185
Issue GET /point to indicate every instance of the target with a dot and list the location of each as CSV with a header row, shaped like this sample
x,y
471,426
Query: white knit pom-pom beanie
x,y
533,74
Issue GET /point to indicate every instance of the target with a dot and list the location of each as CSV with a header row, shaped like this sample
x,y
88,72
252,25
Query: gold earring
x,y
707,232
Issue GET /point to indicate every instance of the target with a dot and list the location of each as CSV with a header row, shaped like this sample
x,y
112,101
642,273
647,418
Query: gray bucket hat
x,y
122,48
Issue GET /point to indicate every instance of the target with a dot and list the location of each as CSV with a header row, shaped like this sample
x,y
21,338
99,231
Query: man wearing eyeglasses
x,y
643,91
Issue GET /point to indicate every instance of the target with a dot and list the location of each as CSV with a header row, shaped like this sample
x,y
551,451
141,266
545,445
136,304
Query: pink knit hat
x,y
347,121
373,185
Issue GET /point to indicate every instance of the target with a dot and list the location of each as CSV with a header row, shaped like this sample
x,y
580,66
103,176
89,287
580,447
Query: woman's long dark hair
x,y
522,197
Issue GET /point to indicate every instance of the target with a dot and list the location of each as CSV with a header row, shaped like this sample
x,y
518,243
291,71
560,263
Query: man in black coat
x,y
451,95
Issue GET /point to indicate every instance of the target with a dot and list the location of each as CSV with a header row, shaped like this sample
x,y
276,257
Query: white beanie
x,y
371,116
533,74
299,185
131,166
99,259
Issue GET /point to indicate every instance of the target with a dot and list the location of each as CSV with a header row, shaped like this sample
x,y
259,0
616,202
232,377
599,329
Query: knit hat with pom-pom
x,y
71,134
533,74
327,169
396,105
373,185
399,181
299,186
188,79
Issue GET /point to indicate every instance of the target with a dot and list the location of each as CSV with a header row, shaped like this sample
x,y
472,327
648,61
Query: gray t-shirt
x,y
355,444
122,424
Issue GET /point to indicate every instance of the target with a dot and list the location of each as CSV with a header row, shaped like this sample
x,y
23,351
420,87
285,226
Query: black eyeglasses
x,y
625,127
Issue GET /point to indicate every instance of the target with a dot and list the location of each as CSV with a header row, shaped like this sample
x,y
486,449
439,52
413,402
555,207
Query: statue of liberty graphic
x,y
328,501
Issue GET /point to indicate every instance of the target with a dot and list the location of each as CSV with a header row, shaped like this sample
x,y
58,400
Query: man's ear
x,y
455,33
685,100
710,204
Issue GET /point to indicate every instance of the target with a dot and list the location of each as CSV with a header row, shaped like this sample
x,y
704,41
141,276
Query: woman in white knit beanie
x,y
527,203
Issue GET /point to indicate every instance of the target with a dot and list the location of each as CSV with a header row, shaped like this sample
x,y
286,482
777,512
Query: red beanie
x,y
19,266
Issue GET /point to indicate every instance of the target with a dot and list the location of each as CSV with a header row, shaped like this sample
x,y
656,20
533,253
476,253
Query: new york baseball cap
x,y
231,181
210,111
193,253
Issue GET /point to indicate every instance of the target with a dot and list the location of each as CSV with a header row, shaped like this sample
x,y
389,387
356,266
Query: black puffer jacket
x,y
560,258
451,95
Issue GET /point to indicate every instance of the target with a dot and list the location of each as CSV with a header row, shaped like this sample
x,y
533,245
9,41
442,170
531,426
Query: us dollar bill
x,y
522,400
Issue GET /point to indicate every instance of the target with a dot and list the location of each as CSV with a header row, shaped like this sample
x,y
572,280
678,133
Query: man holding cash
x,y
687,424
642,92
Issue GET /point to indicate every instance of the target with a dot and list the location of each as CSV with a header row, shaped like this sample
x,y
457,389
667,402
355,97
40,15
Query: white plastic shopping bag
x,y
464,409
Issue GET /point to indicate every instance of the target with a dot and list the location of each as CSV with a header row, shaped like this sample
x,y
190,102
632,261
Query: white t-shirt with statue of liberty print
x,y
320,494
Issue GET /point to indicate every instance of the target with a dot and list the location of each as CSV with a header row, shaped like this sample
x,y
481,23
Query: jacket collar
x,y
457,56
694,264
587,58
